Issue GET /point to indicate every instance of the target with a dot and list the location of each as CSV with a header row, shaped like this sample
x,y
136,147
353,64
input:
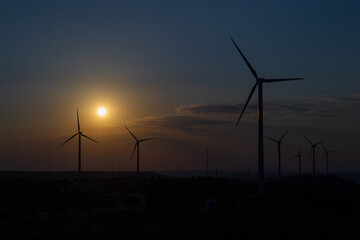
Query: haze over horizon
x,y
169,70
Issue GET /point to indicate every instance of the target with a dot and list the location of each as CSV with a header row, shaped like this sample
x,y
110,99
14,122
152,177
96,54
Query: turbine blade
x,y
134,150
271,139
307,140
294,157
247,101
68,139
319,142
131,133
89,138
284,135
78,122
146,139
299,148
246,61
324,147
281,79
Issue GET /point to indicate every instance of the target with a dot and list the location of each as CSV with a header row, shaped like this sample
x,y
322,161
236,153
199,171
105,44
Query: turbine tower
x,y
326,154
207,162
279,142
80,135
299,157
137,146
259,82
313,146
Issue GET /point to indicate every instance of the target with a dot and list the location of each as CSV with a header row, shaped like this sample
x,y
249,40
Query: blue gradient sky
x,y
168,69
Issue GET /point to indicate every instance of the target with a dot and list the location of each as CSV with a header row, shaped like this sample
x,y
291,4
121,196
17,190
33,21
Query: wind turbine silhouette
x,y
207,162
80,135
259,82
299,157
137,146
279,142
313,146
326,154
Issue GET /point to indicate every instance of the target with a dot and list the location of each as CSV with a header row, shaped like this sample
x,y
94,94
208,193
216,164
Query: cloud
x,y
200,121
179,127
205,109
184,122
322,106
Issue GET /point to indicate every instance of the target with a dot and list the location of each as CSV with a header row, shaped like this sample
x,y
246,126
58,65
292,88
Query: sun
x,y
101,112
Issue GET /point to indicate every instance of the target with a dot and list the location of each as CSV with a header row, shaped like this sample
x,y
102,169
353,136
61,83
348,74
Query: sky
x,y
168,69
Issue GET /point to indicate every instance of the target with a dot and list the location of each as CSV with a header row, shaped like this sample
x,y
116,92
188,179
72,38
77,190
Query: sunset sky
x,y
168,69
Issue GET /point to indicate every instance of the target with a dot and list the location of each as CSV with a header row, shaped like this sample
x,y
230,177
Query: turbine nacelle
x,y
318,143
280,140
313,145
137,145
326,151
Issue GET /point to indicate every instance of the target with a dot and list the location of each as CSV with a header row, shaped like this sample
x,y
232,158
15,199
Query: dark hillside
x,y
153,207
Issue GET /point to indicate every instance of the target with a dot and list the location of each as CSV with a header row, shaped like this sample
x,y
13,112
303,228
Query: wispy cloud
x,y
184,122
297,112
322,106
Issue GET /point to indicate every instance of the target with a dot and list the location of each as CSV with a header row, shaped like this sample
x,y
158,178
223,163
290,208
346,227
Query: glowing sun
x,y
101,112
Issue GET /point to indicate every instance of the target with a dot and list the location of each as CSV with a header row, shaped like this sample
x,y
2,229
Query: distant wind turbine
x,y
313,146
299,157
137,146
259,82
207,162
326,155
279,142
80,135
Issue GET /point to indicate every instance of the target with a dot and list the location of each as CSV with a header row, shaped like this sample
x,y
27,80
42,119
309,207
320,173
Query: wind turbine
x,y
299,157
259,82
279,142
313,146
137,146
80,135
326,154
207,162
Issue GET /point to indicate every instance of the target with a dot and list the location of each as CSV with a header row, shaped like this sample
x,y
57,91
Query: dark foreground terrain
x,y
151,206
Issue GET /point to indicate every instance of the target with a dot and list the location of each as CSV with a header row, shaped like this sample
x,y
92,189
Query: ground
x,y
152,206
